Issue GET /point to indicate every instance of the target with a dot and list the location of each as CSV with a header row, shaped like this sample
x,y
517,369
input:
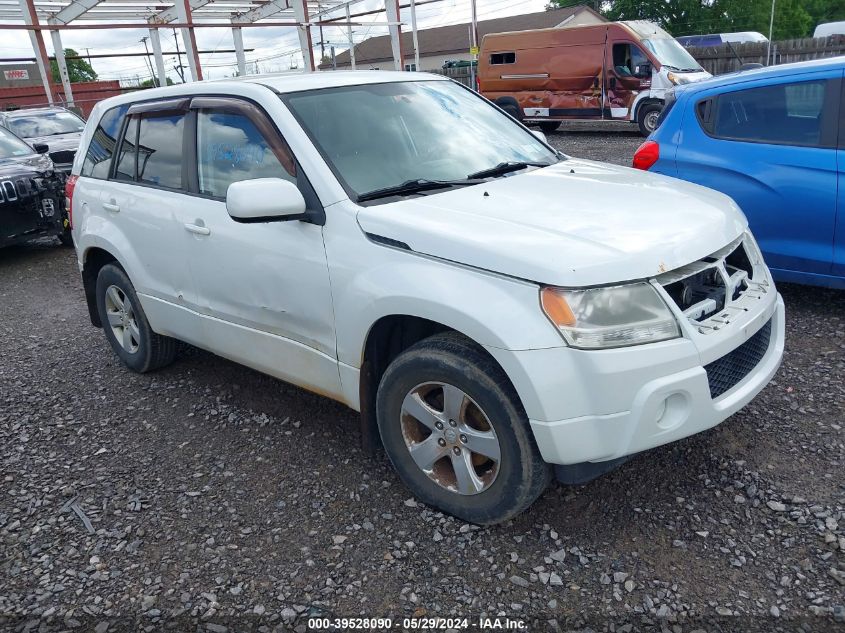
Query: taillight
x,y
69,185
646,155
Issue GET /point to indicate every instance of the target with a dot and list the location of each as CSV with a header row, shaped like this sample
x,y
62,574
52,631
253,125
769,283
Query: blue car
x,y
774,140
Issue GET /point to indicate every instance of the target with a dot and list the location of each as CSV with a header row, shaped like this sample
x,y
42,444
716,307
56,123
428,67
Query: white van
x,y
498,312
829,28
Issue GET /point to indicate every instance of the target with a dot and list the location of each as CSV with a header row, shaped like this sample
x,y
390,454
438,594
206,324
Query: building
x,y
19,75
452,43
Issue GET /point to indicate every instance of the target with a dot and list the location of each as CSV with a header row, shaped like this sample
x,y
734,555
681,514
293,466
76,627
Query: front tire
x,y
456,432
647,117
125,324
547,127
65,238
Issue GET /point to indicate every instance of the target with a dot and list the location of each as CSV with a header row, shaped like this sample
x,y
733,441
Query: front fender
x,y
492,310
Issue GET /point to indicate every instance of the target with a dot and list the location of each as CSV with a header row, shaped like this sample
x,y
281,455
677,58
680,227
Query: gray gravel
x,y
209,497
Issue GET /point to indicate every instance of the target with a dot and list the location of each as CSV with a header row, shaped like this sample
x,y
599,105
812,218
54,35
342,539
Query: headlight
x,y
613,316
677,80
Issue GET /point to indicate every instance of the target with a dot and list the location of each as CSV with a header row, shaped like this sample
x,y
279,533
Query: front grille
x,y
711,292
724,373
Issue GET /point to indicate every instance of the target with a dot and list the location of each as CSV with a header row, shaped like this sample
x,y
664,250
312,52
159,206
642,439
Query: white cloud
x,y
275,48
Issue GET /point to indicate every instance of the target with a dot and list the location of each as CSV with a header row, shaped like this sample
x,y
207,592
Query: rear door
x,y
771,146
146,201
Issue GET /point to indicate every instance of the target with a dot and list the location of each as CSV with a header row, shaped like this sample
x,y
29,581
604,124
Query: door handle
x,y
197,229
112,207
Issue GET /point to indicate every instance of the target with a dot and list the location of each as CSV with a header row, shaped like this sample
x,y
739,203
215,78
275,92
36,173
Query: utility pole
x,y
322,43
147,60
178,57
771,27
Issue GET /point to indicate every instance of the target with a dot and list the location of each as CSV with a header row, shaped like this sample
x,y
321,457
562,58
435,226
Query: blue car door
x,y
771,145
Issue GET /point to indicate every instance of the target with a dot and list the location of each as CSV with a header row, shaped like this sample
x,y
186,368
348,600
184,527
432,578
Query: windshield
x,y
11,145
45,124
671,54
383,135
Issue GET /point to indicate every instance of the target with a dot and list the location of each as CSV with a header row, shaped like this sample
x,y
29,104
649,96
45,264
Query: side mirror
x,y
265,199
41,148
643,71
540,136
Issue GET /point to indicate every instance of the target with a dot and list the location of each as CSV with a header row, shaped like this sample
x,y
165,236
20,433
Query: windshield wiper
x,y
505,168
410,187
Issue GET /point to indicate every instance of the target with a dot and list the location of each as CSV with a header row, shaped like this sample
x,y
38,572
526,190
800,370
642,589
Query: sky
x,y
276,49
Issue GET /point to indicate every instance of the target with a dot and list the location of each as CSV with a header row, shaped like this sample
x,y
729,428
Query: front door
x,y
264,286
628,74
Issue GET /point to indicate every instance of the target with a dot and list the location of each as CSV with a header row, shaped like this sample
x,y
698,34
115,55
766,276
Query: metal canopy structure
x,y
55,16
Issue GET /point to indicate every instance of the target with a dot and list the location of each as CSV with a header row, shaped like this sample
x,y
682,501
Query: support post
x,y
238,37
414,35
59,52
349,37
300,11
31,18
189,39
161,73
391,7
473,39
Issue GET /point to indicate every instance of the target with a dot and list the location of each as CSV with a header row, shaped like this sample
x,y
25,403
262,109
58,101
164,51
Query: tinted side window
x,y
503,58
785,114
125,169
102,147
160,150
630,61
231,148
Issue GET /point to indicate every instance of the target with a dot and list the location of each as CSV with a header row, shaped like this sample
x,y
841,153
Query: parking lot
x,y
208,495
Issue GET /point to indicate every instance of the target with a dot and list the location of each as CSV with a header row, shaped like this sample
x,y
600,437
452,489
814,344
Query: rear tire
x,y
512,110
456,433
647,117
125,324
547,127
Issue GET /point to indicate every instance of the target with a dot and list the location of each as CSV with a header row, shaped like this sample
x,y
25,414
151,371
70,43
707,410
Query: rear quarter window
x,y
98,158
781,114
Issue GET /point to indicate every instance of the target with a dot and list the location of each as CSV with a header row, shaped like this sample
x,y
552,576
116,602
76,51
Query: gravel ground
x,y
208,497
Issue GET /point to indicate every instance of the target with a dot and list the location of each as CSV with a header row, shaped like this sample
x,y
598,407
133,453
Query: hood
x,y
29,166
576,223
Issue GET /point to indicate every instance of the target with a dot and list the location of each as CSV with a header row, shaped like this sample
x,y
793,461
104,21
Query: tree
x,y
793,18
148,83
77,69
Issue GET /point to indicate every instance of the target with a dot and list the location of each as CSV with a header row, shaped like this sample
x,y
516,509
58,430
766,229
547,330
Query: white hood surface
x,y
575,223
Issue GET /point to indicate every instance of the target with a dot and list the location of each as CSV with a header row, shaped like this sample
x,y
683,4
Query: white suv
x,y
498,312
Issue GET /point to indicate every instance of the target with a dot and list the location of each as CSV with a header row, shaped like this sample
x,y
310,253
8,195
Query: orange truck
x,y
618,71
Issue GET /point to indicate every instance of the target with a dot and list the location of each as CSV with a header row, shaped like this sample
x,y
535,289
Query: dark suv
x,y
32,200
56,127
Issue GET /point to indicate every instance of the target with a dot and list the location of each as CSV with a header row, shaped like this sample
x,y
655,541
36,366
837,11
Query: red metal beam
x,y
170,25
193,38
42,50
107,55
374,11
